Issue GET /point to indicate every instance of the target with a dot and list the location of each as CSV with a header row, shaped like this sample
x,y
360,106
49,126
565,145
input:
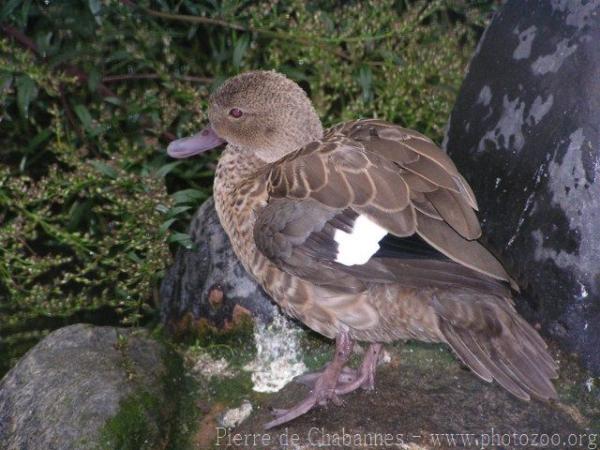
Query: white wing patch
x,y
358,246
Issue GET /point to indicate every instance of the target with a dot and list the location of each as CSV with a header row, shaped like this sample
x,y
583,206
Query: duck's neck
x,y
236,166
240,189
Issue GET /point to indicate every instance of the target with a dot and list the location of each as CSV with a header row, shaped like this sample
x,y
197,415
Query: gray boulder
x,y
86,387
208,282
524,132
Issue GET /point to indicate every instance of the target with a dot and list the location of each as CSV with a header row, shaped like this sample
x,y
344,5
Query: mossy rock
x,y
423,398
87,387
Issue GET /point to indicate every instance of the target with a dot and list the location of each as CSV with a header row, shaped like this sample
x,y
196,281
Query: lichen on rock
x,y
278,354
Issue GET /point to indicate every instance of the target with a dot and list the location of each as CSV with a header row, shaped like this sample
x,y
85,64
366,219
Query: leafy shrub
x,y
91,92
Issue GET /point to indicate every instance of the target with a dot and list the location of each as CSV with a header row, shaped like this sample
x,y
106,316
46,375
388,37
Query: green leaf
x,y
161,208
166,224
293,73
113,101
365,80
188,195
104,169
8,8
84,116
95,6
134,257
39,138
66,54
192,32
175,210
163,170
241,46
77,212
25,12
26,92
6,80
94,78
118,55
183,239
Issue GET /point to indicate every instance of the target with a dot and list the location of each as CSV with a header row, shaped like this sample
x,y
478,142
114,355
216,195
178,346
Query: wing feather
x,y
397,178
472,254
455,210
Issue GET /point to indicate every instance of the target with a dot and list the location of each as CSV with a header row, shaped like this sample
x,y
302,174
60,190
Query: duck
x,y
363,232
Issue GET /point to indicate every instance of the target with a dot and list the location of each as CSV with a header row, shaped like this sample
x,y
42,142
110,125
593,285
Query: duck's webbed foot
x,y
364,377
347,375
334,380
324,385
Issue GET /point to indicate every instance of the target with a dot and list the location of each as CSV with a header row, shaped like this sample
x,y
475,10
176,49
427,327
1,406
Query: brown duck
x,y
367,232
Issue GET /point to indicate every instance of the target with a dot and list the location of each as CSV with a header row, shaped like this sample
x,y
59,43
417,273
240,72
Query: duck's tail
x,y
492,339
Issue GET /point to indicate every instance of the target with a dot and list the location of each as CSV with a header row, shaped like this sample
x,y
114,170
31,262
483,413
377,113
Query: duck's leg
x,y
325,385
348,378
366,374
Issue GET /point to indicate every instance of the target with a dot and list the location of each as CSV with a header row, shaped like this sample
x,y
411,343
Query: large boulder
x,y
85,387
525,133
208,283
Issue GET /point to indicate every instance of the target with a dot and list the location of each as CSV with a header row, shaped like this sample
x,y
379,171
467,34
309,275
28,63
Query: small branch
x,y
167,136
195,79
82,77
132,76
152,76
198,19
70,116
21,39
302,39
28,43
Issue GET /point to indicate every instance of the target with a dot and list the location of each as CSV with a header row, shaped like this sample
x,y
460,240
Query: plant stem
x,y
153,76
304,39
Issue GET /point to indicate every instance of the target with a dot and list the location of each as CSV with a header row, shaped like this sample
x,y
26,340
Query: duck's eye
x,y
234,112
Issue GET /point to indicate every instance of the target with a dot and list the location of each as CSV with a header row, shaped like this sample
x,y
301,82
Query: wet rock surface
x,y
524,132
208,282
423,399
63,393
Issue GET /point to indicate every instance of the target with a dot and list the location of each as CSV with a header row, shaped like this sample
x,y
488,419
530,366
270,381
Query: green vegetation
x,y
148,419
91,92
130,429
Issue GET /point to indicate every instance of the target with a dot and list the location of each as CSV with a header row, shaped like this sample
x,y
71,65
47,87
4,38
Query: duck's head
x,y
262,112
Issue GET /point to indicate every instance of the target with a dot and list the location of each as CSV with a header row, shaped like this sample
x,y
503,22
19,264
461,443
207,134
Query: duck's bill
x,y
205,140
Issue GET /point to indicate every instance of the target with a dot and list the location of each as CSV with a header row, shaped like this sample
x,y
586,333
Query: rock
x,y
423,399
208,282
86,387
235,416
524,132
279,356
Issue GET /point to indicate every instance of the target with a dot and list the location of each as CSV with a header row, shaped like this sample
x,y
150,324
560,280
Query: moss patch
x,y
235,344
133,428
578,391
317,350
161,418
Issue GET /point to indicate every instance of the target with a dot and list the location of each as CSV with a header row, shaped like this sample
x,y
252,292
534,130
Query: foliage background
x,y
91,92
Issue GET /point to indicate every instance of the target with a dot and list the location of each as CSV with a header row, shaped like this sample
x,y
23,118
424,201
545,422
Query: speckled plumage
x,y
283,188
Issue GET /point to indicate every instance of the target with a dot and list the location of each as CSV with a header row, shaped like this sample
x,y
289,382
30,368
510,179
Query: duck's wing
x,y
369,190
372,200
